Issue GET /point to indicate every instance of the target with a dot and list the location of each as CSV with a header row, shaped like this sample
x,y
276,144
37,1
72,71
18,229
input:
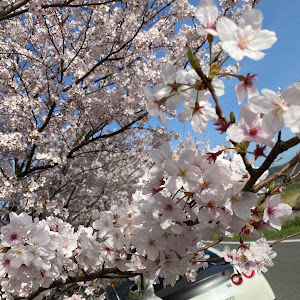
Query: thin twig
x,y
280,146
284,238
293,162
5,211
209,86
211,244
208,260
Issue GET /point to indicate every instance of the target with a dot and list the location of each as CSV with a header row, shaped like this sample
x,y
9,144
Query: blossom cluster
x,y
186,87
35,253
257,256
187,198
35,7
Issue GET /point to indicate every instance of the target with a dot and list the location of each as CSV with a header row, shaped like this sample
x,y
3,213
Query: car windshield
x,y
207,279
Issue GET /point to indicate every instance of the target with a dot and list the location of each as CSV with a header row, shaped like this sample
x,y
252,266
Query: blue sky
x,y
279,68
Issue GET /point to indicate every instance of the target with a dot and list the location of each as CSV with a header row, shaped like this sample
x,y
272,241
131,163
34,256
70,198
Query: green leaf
x,y
194,61
272,185
232,117
242,147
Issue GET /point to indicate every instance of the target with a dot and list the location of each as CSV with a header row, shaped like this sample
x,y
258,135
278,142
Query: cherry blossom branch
x,y
247,164
28,168
108,57
209,86
37,168
253,4
219,111
86,142
284,238
3,173
12,7
211,244
105,273
82,144
61,5
50,113
29,160
280,146
5,211
209,260
293,162
10,11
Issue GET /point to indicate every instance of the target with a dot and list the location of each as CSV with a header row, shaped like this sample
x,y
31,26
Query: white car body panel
x,y
256,287
253,288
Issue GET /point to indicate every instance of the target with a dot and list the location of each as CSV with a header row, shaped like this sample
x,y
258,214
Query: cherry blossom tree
x,y
90,189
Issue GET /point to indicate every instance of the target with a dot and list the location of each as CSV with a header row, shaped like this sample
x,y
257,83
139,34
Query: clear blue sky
x,y
279,68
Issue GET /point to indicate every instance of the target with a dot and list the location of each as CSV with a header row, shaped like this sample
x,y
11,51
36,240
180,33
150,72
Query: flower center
x,y
168,207
278,111
14,236
174,86
243,44
235,198
205,185
198,108
253,131
151,243
271,211
181,174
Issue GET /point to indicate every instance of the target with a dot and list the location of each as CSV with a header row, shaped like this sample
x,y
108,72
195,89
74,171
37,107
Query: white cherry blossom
x,y
273,107
292,117
250,128
245,85
207,13
238,202
247,38
275,210
200,113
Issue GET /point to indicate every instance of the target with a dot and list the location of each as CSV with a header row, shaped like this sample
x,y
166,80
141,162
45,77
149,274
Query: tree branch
x,y
52,107
104,273
280,146
209,260
86,142
294,161
220,113
209,86
284,238
12,7
106,58
211,244
38,168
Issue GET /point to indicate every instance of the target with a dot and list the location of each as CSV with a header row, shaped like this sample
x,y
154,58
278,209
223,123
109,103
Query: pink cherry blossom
x,y
207,13
275,210
291,94
154,106
292,117
75,143
171,87
272,106
199,113
245,85
250,128
238,202
182,174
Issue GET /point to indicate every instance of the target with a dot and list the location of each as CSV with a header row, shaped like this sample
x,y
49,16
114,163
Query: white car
x,y
217,282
